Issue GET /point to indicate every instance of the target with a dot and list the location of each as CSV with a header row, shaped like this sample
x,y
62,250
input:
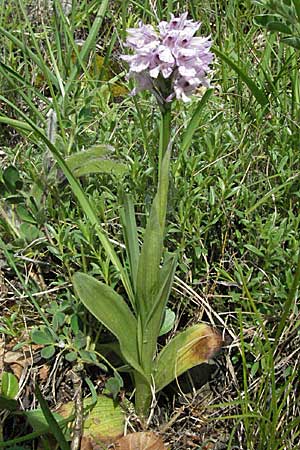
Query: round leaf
x,y
9,385
48,352
168,322
42,336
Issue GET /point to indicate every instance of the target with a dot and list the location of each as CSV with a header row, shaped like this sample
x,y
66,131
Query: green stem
x,y
143,396
149,326
288,304
165,135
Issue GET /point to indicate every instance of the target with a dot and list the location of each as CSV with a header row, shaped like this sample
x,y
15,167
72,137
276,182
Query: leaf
x,y
58,320
95,160
262,20
255,90
38,421
9,385
151,252
97,151
11,178
169,320
150,291
297,8
7,403
48,352
52,422
42,336
131,237
292,41
105,421
279,26
25,215
154,320
254,250
72,356
101,166
191,347
114,385
140,441
29,231
194,121
112,311
88,44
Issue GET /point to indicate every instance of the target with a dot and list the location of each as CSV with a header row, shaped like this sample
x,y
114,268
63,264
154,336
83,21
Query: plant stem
x,y
149,328
165,134
143,396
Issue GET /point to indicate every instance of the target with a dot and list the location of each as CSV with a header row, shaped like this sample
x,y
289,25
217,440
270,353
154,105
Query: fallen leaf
x,y
103,424
44,373
140,441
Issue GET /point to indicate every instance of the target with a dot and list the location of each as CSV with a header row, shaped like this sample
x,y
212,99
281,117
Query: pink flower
x,y
171,61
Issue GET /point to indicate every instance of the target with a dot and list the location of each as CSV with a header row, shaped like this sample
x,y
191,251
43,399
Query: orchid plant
x,y
171,62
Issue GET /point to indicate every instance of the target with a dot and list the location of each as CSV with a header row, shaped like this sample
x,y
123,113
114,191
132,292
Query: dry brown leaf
x,y
140,441
44,373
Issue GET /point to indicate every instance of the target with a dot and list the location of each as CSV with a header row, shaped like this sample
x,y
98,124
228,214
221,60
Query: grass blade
x,y
194,121
53,425
255,90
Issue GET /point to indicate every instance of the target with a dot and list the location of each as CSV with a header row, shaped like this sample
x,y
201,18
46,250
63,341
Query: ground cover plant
x,y
74,144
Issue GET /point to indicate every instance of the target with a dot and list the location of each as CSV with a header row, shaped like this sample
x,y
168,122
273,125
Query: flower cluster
x,y
172,61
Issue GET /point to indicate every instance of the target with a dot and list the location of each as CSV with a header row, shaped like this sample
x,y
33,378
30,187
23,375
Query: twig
x,y
78,422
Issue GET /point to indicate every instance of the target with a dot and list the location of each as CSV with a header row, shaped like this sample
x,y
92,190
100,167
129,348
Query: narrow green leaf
x,y
52,422
151,252
89,42
38,421
27,51
279,26
149,261
262,20
254,250
297,8
193,346
255,90
292,41
112,311
96,152
9,404
101,165
131,237
9,385
194,121
152,325
17,124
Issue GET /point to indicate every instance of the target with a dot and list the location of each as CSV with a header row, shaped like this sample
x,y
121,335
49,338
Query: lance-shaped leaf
x,y
152,325
257,91
97,159
112,311
193,346
131,237
149,262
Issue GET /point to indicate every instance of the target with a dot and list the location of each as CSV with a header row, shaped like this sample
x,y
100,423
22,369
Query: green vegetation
x,y
232,215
